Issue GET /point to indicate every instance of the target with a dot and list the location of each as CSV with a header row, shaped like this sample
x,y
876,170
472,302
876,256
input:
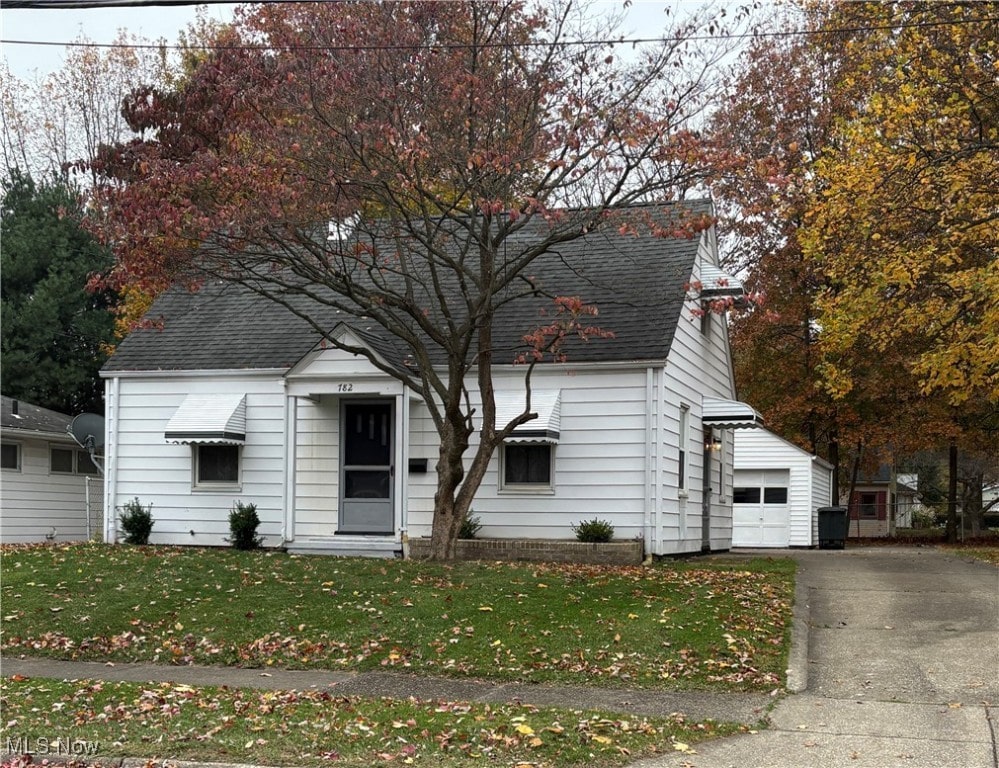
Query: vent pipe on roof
x,y
13,407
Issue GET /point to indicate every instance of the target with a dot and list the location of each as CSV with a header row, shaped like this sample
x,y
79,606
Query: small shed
x,y
778,488
50,489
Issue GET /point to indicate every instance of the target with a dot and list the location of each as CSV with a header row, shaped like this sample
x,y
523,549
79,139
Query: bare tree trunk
x,y
952,493
973,512
450,474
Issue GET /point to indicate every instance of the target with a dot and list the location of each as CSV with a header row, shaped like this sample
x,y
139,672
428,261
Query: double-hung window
x,y
10,456
527,466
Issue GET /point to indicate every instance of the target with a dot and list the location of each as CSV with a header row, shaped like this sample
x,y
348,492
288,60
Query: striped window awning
x,y
547,403
717,283
729,414
214,418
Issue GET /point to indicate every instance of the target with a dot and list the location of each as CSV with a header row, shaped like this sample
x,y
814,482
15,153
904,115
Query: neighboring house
x,y
990,497
880,503
232,397
44,478
778,488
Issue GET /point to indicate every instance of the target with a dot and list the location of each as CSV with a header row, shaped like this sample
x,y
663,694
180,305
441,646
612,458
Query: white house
x,y
44,479
778,488
232,397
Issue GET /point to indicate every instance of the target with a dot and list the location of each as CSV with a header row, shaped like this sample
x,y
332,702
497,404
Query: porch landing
x,y
347,546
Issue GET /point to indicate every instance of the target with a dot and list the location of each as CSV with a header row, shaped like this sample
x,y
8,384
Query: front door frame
x,y
368,516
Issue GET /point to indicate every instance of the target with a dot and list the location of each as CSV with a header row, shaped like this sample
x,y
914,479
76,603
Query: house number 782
x,y
344,387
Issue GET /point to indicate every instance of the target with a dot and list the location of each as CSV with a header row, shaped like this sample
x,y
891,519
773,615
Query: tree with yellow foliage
x,y
905,223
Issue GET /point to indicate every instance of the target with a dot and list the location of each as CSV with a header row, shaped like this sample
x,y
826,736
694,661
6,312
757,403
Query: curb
x,y
797,661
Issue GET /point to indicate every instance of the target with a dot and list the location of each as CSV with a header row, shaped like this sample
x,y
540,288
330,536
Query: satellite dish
x,y
88,430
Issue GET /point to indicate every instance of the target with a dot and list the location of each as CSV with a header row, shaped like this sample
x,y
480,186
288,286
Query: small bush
x,y
136,521
243,522
594,531
470,526
923,518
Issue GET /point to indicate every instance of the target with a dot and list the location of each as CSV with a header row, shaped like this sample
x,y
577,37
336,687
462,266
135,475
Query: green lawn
x,y
105,721
689,625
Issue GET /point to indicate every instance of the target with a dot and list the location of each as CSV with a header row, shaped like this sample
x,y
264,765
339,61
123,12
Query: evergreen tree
x,y
56,334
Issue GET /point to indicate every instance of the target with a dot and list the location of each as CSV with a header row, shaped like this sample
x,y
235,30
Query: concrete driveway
x,y
902,668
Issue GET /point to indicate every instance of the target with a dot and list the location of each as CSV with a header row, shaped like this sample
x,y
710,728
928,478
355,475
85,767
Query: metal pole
x,y
87,491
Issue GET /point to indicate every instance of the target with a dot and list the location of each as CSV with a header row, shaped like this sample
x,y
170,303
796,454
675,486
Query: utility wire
x,y
54,4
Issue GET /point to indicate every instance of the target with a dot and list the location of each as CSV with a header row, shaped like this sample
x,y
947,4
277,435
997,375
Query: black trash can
x,y
833,523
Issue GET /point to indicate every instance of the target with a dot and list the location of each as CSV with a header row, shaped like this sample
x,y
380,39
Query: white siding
x,y
148,468
810,479
599,460
317,462
699,366
35,501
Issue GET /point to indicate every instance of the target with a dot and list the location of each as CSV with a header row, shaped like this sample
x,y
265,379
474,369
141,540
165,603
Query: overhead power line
x,y
55,4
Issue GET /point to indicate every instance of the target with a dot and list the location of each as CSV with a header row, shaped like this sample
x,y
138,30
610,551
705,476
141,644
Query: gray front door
x,y
366,469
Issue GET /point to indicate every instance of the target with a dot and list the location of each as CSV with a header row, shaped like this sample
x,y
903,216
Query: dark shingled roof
x,y
638,283
32,418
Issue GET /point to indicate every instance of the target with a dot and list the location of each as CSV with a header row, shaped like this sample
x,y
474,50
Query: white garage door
x,y
761,515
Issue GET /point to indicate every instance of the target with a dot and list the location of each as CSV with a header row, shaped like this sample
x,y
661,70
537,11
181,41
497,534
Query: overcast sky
x,y
99,24
646,18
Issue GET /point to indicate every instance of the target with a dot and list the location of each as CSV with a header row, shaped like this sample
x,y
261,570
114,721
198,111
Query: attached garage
x,y
778,488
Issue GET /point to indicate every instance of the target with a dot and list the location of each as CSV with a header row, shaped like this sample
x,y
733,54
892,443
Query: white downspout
x,y
290,448
651,412
660,392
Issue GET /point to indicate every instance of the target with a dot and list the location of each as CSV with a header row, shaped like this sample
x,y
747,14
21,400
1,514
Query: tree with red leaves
x,y
443,128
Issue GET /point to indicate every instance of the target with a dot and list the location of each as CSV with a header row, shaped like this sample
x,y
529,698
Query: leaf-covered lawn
x,y
688,625
105,720
985,554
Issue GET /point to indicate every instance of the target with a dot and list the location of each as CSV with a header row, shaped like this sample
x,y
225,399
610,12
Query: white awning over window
x,y
717,283
547,403
729,414
209,419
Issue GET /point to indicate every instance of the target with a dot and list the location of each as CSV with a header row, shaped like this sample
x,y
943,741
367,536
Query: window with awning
x,y
729,414
717,283
527,458
213,418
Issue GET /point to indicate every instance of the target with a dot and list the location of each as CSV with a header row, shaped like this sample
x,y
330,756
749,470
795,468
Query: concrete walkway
x,y
731,707
902,669
894,661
